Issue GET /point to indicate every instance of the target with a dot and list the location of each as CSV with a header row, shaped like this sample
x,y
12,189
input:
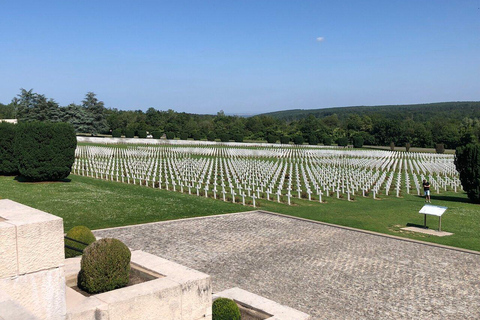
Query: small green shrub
x,y
117,133
79,233
298,139
170,135
142,134
327,141
211,136
342,142
312,140
157,134
183,136
238,138
8,160
105,266
129,133
284,139
358,141
45,151
271,138
225,309
225,137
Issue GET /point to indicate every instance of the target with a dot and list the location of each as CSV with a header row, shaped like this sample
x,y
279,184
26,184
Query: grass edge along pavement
x,y
102,204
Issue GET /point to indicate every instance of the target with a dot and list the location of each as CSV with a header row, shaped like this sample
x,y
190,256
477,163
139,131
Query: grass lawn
x,y
101,204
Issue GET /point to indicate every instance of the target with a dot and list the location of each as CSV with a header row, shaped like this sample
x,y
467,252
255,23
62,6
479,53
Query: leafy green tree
x,y
272,138
117,133
129,133
358,141
327,140
312,139
238,137
225,137
284,139
157,134
30,106
211,136
342,141
298,139
79,117
467,162
7,111
96,109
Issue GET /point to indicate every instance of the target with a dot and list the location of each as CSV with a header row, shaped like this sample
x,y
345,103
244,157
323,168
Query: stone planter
x,y
255,307
170,291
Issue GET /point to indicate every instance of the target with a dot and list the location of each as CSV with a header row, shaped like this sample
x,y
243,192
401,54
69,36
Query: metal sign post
x,y
433,211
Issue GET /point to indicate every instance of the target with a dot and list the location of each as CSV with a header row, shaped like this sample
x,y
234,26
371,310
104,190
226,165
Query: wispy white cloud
x,y
320,39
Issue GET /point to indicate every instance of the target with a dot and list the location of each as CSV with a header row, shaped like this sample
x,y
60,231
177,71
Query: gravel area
x,y
325,271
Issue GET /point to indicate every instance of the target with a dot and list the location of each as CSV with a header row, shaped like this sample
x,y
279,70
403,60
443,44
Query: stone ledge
x,y
38,241
182,293
278,311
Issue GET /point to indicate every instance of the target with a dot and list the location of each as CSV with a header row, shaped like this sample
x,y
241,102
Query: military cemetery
x,y
239,160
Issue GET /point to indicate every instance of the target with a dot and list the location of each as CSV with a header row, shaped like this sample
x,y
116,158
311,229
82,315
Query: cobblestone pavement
x,y
328,272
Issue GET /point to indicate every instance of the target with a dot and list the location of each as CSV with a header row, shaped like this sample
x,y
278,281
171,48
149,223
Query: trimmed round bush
x,y
157,134
105,266
142,134
45,151
298,139
211,136
117,133
238,138
129,133
8,161
342,142
284,139
183,136
225,309
225,137
327,141
170,135
358,141
79,233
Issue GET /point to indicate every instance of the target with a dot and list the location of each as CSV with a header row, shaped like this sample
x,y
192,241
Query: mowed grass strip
x,y
103,204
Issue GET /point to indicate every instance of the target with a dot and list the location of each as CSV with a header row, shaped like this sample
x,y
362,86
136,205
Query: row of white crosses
x,y
275,174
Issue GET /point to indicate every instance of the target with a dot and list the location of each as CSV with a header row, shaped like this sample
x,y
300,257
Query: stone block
x,y
39,236
179,293
251,300
8,250
40,293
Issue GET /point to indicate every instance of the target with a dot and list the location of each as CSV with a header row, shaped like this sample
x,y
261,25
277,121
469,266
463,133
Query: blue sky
x,y
242,57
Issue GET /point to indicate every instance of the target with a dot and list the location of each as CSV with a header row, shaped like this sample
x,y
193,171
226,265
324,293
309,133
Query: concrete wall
x,y
31,261
180,293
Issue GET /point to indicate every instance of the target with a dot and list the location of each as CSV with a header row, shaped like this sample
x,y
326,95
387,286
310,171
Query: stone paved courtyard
x,y
328,272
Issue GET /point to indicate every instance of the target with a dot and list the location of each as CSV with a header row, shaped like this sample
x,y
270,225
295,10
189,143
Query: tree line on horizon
x,y
363,125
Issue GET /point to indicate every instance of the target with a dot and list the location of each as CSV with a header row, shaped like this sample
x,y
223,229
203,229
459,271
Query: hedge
x,y
45,151
8,161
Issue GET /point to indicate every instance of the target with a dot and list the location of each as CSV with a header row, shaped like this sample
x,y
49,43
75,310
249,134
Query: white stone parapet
x,y
31,261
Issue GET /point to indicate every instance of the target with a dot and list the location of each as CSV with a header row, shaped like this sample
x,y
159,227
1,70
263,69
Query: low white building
x,y
14,121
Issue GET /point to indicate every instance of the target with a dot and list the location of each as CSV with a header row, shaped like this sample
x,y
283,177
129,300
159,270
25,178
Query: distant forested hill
x,y
416,112
449,124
